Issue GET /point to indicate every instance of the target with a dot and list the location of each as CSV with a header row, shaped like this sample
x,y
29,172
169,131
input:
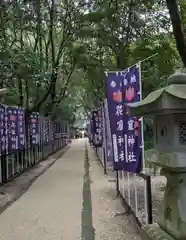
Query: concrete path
x,y
51,208
58,206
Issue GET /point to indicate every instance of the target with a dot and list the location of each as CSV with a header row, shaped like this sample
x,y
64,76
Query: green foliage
x,y
53,55
157,69
40,49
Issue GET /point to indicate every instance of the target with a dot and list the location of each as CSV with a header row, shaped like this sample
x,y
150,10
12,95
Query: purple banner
x,y
46,130
115,109
124,87
96,127
50,130
107,138
3,128
13,131
132,126
21,128
34,129
57,130
92,129
12,116
41,129
62,130
54,129
100,124
94,123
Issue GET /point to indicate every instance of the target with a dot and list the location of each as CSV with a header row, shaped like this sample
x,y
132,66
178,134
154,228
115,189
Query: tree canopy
x,y
53,53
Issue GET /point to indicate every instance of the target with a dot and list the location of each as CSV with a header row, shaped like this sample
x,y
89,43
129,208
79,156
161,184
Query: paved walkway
x,y
58,206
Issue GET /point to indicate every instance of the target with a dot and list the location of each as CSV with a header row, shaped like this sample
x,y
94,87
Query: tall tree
x,y
38,50
177,11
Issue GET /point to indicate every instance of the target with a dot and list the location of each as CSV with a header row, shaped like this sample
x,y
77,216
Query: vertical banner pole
x,y
142,127
117,182
104,139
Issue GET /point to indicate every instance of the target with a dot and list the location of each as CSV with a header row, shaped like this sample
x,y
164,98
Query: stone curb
x,y
13,190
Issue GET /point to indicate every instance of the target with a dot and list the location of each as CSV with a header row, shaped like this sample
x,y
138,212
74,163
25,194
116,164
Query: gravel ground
x,y
137,184
110,219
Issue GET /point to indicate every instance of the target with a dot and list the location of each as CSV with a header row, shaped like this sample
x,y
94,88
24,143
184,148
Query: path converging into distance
x,y
59,204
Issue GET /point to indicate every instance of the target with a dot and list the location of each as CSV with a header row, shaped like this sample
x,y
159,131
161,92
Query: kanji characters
x,y
97,125
131,157
120,125
121,156
98,130
34,127
133,79
113,84
125,78
119,110
136,128
130,125
131,141
120,140
125,81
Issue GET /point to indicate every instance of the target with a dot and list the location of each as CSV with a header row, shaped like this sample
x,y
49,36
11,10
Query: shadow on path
x,y
87,230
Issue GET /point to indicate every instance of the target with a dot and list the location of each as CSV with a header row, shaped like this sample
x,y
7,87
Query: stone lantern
x,y
167,107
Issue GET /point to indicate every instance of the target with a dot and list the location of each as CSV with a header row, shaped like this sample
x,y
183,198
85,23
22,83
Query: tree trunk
x,y
122,56
177,28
